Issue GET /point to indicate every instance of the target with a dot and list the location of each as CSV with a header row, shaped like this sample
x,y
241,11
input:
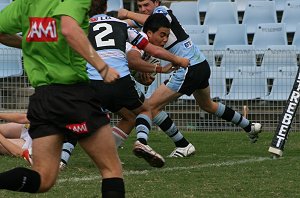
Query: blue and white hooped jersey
x,y
108,36
179,42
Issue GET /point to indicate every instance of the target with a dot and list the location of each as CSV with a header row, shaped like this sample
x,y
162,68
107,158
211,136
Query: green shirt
x,y
48,59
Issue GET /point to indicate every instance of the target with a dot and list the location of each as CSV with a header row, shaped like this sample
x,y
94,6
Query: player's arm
x,y
126,14
10,147
136,63
20,118
11,40
77,39
161,53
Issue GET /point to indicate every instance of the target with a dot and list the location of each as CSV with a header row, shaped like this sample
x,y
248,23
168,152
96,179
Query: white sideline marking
x,y
228,163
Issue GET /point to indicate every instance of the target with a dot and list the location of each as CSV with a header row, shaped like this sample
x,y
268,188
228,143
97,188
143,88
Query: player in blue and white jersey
x,y
108,36
191,80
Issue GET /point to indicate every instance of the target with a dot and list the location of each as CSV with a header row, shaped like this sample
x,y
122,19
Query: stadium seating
x,y
296,38
269,34
203,4
257,12
247,84
220,13
5,1
236,57
198,34
278,56
282,84
10,62
208,51
230,34
217,83
3,5
241,4
186,12
291,15
114,5
279,4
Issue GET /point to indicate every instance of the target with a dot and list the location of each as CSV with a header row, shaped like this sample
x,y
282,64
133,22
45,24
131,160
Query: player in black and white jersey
x,y
108,36
191,80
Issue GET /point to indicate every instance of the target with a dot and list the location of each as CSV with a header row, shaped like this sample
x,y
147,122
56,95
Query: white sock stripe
x,y
119,132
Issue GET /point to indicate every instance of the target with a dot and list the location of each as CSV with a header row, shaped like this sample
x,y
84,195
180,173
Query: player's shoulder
x,y
161,9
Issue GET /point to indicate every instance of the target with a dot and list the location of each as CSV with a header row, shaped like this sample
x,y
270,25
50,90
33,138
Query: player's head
x,y
98,7
157,27
147,6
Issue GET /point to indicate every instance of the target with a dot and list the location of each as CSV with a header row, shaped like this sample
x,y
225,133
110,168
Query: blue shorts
x,y
186,81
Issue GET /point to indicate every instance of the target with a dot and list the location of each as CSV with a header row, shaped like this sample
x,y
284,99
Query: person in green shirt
x,y
55,50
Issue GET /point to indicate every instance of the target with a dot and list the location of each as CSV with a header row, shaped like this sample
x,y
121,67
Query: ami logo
x,y
42,30
78,128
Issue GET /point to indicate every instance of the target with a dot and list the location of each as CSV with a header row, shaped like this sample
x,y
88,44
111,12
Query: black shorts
x,y
65,109
122,93
197,77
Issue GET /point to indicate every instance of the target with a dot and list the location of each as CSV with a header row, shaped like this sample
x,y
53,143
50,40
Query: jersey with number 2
x,y
108,36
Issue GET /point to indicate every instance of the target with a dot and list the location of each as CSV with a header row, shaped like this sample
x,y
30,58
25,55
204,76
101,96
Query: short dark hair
x,y
159,1
98,7
156,21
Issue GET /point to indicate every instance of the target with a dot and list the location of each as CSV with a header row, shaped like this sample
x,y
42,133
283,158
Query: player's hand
x,y
145,78
109,74
168,68
181,62
122,13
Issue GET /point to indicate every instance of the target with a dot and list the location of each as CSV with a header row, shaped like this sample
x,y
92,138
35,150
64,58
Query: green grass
x,y
225,165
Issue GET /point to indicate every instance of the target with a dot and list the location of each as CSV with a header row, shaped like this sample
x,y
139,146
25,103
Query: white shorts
x,y
26,137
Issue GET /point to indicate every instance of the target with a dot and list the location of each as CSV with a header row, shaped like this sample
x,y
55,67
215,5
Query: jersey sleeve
x,y
130,47
163,10
76,9
136,38
11,18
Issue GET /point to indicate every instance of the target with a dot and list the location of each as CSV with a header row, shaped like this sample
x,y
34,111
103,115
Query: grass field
x,y
225,165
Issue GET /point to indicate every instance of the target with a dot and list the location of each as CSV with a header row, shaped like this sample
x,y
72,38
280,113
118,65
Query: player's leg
x,y
67,149
11,146
100,146
46,157
202,97
158,100
124,127
11,130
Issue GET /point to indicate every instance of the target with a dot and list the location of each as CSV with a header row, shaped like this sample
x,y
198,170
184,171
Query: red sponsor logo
x,y
42,30
78,128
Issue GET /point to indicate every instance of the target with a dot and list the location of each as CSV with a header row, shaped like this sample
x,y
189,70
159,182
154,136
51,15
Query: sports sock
x,y
20,179
142,126
67,150
119,135
167,125
230,115
113,188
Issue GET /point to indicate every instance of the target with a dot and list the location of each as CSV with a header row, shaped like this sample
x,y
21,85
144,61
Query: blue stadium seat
x,y
269,34
217,83
278,56
291,15
282,84
257,12
219,13
247,84
208,51
230,34
114,5
10,62
186,12
236,57
198,34
296,38
203,4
